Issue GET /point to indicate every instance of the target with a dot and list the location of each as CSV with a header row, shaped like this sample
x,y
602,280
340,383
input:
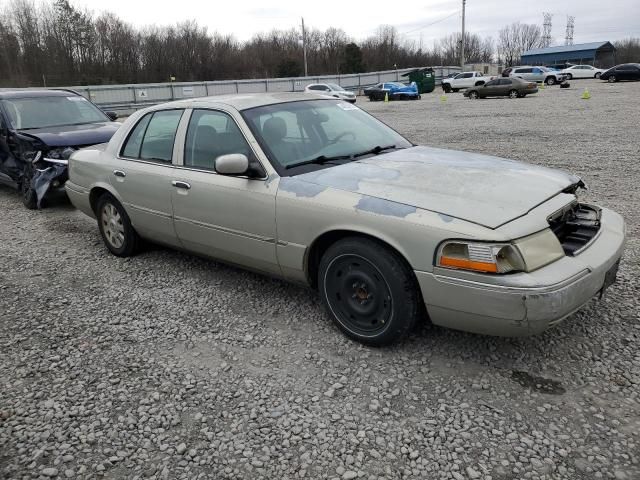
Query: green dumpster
x,y
425,79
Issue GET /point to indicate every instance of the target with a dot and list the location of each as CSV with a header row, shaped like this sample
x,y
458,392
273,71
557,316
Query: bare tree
x,y
628,50
515,39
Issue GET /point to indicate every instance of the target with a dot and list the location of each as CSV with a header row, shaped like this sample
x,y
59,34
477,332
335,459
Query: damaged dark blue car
x,y
39,130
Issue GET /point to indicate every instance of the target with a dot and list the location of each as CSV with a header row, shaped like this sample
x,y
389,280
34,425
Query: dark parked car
x,y
626,71
506,71
502,87
39,130
560,66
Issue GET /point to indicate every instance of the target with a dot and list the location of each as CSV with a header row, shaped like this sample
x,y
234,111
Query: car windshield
x,y
54,111
335,87
295,132
397,84
545,69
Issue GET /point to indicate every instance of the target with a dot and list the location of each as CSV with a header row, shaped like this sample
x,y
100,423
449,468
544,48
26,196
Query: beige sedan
x,y
316,191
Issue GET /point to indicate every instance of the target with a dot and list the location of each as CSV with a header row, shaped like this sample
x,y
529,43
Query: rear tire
x,y
368,290
455,90
513,93
115,227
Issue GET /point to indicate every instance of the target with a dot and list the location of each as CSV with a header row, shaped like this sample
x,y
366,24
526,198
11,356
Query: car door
x,y
489,89
623,72
231,218
505,84
142,174
467,80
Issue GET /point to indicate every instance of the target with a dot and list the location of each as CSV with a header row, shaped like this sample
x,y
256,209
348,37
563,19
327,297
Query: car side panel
x,y
305,211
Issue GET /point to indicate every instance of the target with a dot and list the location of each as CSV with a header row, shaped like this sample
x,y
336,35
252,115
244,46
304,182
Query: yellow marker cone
x,y
443,98
586,95
542,87
386,96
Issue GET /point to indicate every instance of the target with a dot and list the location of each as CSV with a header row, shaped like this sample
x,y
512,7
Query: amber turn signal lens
x,y
468,264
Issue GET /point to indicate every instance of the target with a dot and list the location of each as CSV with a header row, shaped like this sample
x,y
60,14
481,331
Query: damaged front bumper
x,y
49,180
526,303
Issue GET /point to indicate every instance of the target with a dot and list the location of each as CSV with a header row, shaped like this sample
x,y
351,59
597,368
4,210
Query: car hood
x,y
482,189
74,135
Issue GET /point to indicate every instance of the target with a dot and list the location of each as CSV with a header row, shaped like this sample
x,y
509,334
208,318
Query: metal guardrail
x,y
133,97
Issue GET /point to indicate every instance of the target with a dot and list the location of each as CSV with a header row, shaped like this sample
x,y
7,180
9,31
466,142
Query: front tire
x,y
115,227
612,79
550,81
368,290
29,196
597,75
447,88
513,93
569,76
473,95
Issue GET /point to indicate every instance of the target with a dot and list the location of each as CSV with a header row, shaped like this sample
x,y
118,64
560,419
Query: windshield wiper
x,y
323,159
319,160
375,151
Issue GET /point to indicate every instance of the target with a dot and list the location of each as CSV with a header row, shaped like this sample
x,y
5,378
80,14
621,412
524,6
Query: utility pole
x,y
568,39
546,29
304,49
462,40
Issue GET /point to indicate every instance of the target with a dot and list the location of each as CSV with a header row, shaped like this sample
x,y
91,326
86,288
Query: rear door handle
x,y
119,173
179,184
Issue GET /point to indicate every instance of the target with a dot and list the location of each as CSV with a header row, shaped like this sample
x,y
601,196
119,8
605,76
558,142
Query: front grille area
x,y
575,227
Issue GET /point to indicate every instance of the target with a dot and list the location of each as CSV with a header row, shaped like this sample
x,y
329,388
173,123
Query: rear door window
x,y
153,137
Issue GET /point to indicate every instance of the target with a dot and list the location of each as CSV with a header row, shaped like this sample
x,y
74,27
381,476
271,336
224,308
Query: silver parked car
x,y
315,190
538,74
331,89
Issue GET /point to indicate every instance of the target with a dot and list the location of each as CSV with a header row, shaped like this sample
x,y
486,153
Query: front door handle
x,y
179,184
119,173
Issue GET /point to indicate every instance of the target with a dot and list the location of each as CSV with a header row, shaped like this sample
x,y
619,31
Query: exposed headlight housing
x,y
59,155
480,257
523,255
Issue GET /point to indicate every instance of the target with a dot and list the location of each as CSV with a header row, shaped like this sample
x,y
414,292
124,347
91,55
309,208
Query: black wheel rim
x,y
358,295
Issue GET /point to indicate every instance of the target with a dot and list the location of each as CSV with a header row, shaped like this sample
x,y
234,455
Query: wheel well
x,y
479,83
321,244
94,195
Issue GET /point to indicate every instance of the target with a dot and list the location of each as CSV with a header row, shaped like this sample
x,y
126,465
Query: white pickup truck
x,y
464,80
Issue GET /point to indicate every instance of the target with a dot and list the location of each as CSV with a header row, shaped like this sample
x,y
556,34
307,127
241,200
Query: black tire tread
x,y
392,265
132,240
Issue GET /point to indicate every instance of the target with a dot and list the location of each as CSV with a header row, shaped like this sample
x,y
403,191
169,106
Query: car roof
x,y
31,93
240,101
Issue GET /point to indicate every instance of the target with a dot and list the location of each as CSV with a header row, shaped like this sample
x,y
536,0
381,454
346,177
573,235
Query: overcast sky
x,y
595,20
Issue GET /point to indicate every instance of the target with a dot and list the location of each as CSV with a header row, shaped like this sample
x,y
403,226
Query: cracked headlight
x,y
523,255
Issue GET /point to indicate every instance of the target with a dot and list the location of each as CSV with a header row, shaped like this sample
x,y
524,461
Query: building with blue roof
x,y
598,54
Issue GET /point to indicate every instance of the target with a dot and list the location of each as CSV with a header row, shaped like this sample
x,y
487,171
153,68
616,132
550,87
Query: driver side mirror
x,y
232,164
112,115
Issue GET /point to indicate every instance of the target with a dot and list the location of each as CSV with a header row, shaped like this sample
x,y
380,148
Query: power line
x,y
432,23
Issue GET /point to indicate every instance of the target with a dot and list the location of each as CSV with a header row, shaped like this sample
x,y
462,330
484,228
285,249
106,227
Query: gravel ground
x,y
170,366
